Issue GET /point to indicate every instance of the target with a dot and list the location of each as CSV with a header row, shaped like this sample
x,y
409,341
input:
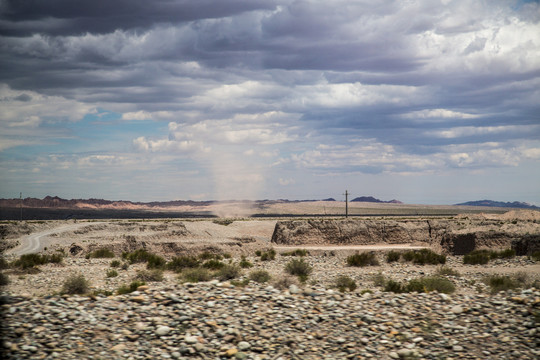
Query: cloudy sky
x,y
432,102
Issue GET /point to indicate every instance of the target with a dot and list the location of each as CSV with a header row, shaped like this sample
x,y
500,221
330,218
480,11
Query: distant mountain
x,y
59,203
491,203
371,199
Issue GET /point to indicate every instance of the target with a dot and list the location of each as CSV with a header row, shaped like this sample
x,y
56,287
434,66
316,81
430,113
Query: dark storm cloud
x,y
66,17
359,86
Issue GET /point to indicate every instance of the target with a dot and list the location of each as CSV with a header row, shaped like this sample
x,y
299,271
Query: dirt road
x,y
352,247
33,243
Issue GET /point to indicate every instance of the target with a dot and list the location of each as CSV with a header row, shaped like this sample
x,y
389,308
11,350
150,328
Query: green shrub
x,y
112,273
195,275
501,283
431,283
423,284
150,275
75,284
3,263
4,279
394,286
297,252
299,268
155,262
392,256
137,256
535,256
424,256
115,264
28,261
240,283
102,253
213,264
228,272
343,282
244,263
363,259
379,279
284,282
477,257
126,289
503,254
125,266
208,256
224,222
267,255
447,271
260,276
177,264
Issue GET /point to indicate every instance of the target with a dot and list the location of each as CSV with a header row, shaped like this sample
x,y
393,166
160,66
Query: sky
x,y
427,102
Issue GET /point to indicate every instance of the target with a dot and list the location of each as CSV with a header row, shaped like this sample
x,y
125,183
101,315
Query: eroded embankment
x,y
458,235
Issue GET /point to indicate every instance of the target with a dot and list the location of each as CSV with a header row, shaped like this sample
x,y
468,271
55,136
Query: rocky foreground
x,y
217,321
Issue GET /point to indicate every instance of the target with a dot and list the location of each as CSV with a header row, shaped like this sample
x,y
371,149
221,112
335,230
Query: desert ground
x,y
309,310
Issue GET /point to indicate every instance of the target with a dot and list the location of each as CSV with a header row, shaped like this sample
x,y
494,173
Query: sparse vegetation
x,y
422,284
3,263
284,282
424,257
363,259
206,255
447,271
379,279
115,264
535,256
155,262
75,284
112,273
150,275
29,261
213,264
344,282
102,253
477,257
178,264
4,279
195,275
224,222
229,272
244,263
296,252
266,255
299,268
482,257
393,256
260,276
126,289
499,283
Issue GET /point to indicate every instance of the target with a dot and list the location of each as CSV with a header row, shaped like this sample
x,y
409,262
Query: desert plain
x,y
261,309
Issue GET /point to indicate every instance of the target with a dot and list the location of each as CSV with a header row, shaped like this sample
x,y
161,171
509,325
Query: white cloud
x,y
285,182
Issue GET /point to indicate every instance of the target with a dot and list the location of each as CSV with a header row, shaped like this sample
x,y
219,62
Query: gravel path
x,y
216,321
34,242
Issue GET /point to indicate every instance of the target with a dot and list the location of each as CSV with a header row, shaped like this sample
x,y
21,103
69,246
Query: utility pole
x,y
20,198
346,204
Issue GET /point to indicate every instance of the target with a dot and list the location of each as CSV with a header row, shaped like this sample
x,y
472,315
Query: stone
x,y
457,309
243,345
293,289
119,347
191,339
231,352
163,330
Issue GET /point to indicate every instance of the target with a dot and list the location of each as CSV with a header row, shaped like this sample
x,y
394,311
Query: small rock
x,y
293,289
119,347
457,348
163,330
231,352
191,339
243,345
457,309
